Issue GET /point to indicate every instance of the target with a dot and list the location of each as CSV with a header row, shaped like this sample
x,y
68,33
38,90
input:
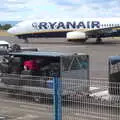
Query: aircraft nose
x,y
11,30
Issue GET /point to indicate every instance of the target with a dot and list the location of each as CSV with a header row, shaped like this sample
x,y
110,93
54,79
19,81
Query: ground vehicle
x,y
4,47
4,44
114,75
67,67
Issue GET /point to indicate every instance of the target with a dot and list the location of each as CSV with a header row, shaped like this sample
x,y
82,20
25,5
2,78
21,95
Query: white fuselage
x,y
36,26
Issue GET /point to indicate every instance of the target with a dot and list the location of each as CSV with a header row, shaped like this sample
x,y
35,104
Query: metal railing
x,y
81,99
100,102
25,95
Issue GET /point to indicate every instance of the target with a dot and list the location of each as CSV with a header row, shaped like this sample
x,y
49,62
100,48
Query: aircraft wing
x,y
104,32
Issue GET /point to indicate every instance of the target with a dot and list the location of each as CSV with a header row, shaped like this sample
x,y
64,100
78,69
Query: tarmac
x,y
99,54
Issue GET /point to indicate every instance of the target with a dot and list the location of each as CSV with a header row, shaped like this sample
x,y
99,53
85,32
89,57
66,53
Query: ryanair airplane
x,y
73,30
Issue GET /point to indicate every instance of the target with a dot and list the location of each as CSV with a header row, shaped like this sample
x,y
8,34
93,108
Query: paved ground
x,y
13,109
99,54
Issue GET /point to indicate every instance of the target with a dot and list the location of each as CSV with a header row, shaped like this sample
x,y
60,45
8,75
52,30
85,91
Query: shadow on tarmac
x,y
76,43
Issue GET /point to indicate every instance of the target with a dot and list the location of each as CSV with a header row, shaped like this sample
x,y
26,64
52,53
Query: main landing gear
x,y
99,40
26,40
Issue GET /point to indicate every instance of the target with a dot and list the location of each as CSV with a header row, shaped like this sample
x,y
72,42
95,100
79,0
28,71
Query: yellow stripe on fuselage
x,y
116,28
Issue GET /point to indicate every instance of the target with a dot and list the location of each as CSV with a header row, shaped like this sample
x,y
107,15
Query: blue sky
x,y
29,9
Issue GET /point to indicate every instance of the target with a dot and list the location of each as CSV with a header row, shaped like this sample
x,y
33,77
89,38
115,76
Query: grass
x,y
4,33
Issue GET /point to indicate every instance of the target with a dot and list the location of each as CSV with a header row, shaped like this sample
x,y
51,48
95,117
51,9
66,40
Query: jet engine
x,y
76,36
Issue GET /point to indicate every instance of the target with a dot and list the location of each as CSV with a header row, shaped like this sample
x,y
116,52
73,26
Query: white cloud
x,y
29,9
15,1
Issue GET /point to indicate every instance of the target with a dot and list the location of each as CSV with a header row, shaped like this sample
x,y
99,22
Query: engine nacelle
x,y
76,36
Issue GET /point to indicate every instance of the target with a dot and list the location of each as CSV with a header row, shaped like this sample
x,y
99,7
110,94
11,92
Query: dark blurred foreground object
x,y
15,48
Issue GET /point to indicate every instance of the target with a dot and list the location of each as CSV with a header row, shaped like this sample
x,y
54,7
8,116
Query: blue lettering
x,y
81,25
43,25
95,24
67,25
52,25
61,25
71,25
35,25
88,24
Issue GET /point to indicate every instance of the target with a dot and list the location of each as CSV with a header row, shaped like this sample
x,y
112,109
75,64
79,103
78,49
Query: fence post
x,y
57,99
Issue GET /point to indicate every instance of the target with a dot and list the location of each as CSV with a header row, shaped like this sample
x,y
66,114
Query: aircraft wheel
x,y
98,40
26,40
